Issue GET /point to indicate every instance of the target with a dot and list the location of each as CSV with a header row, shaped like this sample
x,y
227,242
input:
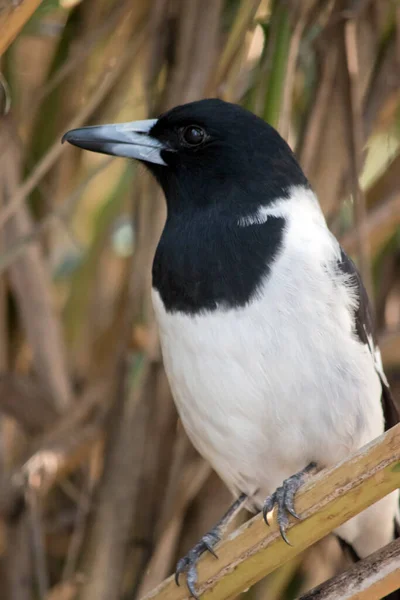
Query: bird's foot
x,y
283,497
188,564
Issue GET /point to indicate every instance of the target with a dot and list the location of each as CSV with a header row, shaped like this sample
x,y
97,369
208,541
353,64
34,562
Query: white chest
x,y
265,389
261,394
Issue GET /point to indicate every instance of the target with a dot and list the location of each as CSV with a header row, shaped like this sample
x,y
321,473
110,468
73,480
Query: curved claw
x,y
181,567
188,563
284,536
283,498
282,517
210,548
290,509
289,501
191,580
283,522
268,506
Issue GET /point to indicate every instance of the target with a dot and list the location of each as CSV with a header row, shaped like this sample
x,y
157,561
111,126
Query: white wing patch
x,y
376,354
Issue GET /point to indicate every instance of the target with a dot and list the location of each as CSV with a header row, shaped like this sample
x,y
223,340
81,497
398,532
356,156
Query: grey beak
x,y
130,140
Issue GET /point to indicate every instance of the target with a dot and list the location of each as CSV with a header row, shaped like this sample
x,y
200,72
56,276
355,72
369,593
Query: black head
x,y
202,153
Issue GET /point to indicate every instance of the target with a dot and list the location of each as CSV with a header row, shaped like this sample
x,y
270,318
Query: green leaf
x,y
265,97
277,73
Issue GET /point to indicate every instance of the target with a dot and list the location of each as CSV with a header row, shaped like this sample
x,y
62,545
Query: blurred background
x,y
100,490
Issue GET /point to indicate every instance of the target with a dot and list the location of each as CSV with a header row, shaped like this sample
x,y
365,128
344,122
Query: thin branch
x,y
30,284
389,345
78,533
66,590
83,48
329,499
37,536
192,480
60,452
13,19
105,85
384,84
62,213
355,120
310,144
380,224
295,40
374,577
24,399
243,21
18,562
109,535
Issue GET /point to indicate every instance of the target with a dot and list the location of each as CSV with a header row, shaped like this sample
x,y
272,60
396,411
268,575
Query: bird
x,y
265,326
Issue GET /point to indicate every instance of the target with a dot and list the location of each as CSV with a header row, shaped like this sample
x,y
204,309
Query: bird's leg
x,y
188,564
283,497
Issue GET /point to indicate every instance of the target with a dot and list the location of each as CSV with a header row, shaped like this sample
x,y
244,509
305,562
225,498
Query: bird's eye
x,y
193,135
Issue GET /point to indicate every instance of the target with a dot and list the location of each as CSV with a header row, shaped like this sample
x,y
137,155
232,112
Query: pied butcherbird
x,y
265,325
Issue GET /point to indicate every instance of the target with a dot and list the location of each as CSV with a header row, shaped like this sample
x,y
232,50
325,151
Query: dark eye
x,y
193,135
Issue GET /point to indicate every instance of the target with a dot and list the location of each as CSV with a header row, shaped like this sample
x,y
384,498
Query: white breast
x,y
265,389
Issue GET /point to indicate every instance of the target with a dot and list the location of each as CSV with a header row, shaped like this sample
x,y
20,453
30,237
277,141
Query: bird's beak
x,y
130,140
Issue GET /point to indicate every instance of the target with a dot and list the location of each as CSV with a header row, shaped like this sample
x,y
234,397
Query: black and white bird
x,y
264,322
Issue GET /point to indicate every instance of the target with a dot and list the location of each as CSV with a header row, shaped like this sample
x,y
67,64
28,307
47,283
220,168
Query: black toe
x,y
283,498
188,564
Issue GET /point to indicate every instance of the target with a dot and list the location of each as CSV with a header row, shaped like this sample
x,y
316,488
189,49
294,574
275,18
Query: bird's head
x,y
203,152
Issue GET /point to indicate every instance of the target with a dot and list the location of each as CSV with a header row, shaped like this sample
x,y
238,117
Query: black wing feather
x,y
364,328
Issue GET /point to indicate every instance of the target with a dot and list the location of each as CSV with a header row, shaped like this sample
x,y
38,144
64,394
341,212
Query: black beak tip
x,y
66,137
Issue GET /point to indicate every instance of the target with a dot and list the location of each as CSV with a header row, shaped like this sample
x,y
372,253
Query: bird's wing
x,y
364,328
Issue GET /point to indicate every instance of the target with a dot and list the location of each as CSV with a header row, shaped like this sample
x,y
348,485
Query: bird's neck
x,y
210,258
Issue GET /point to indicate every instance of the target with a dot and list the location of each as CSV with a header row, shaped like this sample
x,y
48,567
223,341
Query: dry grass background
x,y
100,490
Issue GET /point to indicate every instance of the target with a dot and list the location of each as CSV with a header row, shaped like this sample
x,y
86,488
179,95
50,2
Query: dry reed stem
x,y
13,18
31,284
370,579
59,453
106,81
356,143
